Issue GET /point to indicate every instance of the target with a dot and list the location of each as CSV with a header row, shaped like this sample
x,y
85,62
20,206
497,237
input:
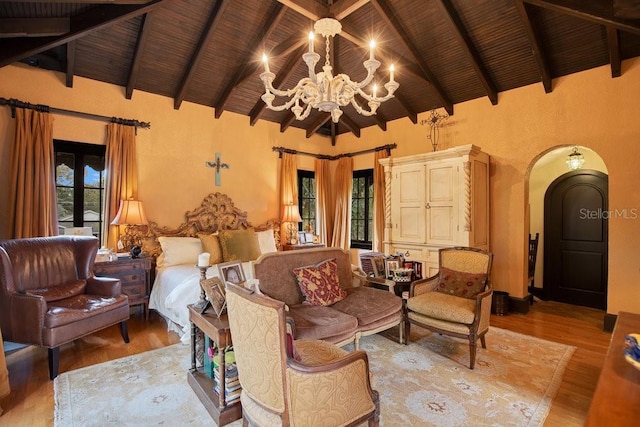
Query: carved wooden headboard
x,y
216,212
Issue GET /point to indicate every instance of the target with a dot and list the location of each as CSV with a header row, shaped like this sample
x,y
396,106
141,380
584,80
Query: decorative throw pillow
x,y
460,284
239,245
266,241
179,250
211,244
319,283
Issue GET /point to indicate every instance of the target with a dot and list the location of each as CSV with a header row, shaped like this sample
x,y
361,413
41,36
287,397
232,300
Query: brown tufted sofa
x,y
50,297
364,311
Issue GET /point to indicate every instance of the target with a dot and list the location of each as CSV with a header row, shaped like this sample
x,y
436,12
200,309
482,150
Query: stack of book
x,y
232,387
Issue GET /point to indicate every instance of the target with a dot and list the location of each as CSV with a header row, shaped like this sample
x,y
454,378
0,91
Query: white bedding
x,y
177,286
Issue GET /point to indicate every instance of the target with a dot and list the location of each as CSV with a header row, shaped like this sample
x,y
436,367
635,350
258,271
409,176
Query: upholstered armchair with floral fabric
x,y
294,383
457,300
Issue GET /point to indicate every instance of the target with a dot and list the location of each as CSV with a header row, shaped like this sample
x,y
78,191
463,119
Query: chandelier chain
x,y
327,61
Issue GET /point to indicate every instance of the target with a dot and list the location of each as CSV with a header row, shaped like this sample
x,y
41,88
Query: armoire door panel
x,y
410,226
441,225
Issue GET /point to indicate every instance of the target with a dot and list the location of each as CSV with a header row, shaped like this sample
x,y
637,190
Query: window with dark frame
x,y
307,200
80,182
362,209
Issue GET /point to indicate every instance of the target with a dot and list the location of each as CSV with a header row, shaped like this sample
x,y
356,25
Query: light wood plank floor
x,y
31,400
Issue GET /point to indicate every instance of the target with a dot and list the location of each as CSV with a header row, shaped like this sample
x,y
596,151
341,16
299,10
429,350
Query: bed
x,y
216,227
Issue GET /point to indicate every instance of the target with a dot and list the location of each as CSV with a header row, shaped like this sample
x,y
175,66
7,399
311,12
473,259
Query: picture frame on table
x,y
378,266
215,293
302,237
231,272
308,237
390,266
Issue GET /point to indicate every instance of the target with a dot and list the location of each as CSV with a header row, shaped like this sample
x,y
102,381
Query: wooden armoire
x,y
435,200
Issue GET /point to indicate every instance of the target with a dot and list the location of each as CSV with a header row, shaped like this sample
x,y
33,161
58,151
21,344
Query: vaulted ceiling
x,y
208,51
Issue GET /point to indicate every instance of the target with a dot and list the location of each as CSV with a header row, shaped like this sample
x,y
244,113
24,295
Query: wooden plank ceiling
x,y
208,51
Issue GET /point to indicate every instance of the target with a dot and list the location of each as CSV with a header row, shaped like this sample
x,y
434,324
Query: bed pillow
x,y
460,284
266,241
239,245
211,244
320,283
179,250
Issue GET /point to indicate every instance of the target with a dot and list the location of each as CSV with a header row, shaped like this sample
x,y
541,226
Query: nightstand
x,y
134,275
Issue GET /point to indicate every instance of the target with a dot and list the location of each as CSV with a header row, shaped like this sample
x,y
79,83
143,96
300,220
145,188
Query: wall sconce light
x,y
131,215
291,216
575,160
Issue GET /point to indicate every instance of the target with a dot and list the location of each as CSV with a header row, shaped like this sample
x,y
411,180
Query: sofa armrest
x,y
103,286
27,318
423,286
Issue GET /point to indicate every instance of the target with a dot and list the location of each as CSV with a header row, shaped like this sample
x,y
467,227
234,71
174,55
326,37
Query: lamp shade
x,y
291,214
130,213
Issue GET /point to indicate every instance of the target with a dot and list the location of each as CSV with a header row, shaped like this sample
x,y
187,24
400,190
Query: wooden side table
x,y
134,275
218,330
615,401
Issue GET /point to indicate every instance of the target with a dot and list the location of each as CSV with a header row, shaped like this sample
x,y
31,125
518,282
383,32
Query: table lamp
x,y
291,216
131,215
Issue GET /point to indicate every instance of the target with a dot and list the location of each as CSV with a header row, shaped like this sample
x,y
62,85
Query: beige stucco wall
x,y
589,109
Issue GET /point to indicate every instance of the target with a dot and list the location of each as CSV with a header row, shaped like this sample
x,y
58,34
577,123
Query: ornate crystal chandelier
x,y
323,90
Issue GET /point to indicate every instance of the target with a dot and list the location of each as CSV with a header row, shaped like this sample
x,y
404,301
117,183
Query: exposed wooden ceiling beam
x,y
317,124
286,122
71,63
411,113
270,25
34,27
344,8
386,13
84,23
350,124
599,12
381,121
205,39
536,49
613,42
450,14
141,44
309,8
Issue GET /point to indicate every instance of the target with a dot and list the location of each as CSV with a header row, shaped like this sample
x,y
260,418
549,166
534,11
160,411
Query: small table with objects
x,y
216,328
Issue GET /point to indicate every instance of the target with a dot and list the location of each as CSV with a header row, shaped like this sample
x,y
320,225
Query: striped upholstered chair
x,y
294,383
457,300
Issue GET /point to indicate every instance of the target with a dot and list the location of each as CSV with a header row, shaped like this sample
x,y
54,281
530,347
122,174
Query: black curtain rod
x,y
387,147
14,103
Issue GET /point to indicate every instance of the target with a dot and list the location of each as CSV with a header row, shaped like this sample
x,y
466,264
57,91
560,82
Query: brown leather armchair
x,y
50,297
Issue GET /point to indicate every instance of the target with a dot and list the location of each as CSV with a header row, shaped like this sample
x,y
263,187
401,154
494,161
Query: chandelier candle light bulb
x,y
324,91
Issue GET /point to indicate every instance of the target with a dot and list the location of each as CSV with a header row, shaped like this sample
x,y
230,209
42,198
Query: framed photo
x,y
377,264
302,237
391,265
214,290
231,272
308,237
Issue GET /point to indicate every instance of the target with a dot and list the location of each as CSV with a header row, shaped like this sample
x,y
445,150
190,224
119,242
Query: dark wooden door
x,y
575,239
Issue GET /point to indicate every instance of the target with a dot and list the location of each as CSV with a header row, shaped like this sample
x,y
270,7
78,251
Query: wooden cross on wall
x,y
217,165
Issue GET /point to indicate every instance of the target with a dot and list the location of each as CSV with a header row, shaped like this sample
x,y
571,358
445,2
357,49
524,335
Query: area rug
x,y
426,383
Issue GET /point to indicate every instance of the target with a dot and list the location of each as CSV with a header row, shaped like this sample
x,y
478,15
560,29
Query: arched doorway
x,y
576,236
544,170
